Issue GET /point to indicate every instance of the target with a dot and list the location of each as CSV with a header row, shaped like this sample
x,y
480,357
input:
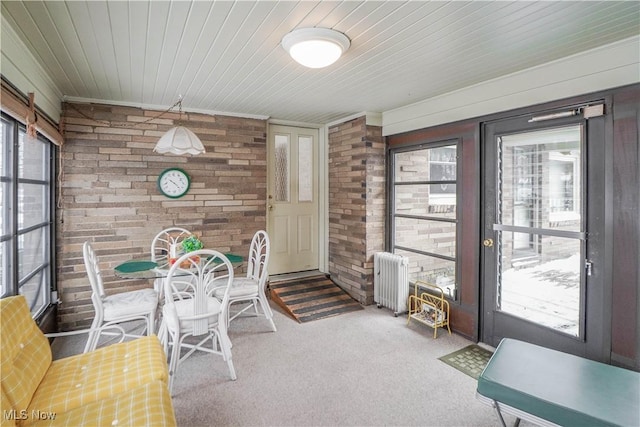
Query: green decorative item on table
x,y
191,243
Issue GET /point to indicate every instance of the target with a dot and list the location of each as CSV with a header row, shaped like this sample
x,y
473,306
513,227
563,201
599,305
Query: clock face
x,y
174,182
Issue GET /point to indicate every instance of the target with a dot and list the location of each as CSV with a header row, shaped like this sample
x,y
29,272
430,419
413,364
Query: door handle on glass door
x,y
488,243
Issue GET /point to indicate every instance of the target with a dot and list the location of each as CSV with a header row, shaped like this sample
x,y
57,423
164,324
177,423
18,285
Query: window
x,y
424,215
540,243
26,218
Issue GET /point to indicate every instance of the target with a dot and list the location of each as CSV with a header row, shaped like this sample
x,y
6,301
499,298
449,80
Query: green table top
x,y
147,269
234,259
135,266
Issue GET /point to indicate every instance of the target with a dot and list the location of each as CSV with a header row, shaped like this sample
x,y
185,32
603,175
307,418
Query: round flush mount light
x,y
315,47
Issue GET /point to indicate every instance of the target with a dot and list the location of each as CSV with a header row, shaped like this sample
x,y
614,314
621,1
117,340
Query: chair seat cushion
x,y
130,303
184,310
242,287
84,378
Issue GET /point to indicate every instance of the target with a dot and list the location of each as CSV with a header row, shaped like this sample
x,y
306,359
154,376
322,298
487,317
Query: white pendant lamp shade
x,y
315,47
179,140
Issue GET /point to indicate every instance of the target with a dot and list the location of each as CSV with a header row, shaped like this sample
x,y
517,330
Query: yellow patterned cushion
x,y
149,405
25,355
104,373
9,415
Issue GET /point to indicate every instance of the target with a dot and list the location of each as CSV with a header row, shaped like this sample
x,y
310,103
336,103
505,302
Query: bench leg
x,y
496,406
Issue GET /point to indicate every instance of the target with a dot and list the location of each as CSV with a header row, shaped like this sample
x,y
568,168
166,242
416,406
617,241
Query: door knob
x,y
488,243
270,207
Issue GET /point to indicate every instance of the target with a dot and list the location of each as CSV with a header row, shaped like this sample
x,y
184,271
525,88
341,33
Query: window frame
x,y
392,214
11,234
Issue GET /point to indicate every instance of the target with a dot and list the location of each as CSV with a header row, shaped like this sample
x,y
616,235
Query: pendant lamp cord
x,y
178,103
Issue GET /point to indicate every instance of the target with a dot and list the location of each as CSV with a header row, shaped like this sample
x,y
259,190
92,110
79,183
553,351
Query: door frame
x,y
598,246
323,183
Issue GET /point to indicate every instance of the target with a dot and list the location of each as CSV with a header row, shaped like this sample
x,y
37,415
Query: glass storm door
x,y
538,262
293,199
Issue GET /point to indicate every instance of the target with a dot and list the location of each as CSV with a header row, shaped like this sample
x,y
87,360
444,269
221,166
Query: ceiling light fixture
x,y
179,140
315,47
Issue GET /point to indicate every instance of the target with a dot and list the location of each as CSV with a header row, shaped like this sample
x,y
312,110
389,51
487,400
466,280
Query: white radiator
x,y
391,281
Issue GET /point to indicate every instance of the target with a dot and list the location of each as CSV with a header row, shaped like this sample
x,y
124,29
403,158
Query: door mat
x,y
312,298
471,360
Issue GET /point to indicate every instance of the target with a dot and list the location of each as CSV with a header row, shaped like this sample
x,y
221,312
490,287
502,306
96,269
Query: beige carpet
x,y
363,368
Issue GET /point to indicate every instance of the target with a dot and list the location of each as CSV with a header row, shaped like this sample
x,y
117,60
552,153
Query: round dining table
x,y
144,268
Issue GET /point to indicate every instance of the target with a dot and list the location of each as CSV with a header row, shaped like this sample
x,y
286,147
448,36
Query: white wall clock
x,y
174,182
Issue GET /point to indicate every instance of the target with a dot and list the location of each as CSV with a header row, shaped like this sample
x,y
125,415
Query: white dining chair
x,y
252,288
165,245
191,309
113,310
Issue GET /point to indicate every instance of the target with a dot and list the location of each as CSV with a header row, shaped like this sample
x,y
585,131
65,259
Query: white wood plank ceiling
x,y
225,56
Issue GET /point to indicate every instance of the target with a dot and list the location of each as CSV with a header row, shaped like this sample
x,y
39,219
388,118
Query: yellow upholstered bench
x,y
119,385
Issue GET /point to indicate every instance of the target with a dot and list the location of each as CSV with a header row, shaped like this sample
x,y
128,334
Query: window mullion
x,y
13,212
429,218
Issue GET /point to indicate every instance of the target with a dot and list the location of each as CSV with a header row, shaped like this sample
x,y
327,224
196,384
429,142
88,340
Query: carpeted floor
x,y
363,368
312,298
471,360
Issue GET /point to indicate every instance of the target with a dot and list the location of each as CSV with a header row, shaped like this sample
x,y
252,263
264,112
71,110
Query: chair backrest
x,y
207,271
93,269
259,257
95,277
162,243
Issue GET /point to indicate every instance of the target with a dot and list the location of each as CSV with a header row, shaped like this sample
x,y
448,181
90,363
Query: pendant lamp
x,y
179,140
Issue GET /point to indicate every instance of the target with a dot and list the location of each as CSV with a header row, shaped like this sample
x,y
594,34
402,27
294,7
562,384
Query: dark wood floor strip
x,y
336,303
312,298
285,294
303,281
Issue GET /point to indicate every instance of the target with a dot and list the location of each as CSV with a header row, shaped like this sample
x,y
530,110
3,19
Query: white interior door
x,y
293,199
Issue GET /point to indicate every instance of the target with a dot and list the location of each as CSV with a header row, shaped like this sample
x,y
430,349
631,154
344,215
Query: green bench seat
x,y
558,388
